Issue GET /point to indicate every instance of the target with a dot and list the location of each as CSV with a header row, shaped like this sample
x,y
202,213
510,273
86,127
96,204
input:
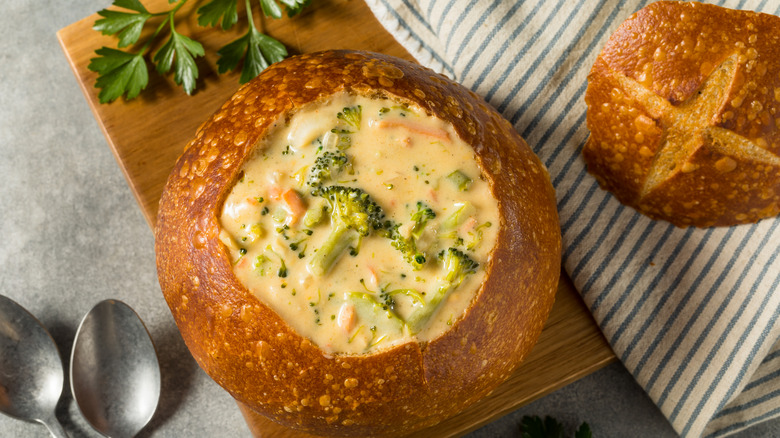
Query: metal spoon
x,y
31,373
114,372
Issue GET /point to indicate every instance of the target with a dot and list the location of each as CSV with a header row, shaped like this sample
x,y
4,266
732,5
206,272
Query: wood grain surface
x,y
147,135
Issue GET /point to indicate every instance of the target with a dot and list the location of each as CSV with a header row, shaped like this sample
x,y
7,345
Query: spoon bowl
x,y
114,371
31,373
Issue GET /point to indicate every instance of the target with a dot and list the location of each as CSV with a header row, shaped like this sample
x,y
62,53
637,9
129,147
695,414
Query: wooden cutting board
x,y
148,134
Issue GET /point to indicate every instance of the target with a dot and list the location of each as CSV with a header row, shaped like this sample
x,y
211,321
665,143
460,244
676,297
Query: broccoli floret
x,y
476,236
388,296
260,264
421,217
326,167
350,119
263,259
409,250
367,306
408,245
353,215
457,266
388,302
282,272
351,115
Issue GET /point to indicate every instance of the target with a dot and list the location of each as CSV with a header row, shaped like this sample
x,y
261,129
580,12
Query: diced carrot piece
x,y
416,128
275,193
294,205
470,224
373,279
347,317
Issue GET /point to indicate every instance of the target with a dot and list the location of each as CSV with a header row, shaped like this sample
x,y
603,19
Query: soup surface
x,y
364,224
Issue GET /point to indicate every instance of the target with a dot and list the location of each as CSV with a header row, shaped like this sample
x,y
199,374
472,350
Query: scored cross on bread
x,y
693,123
683,113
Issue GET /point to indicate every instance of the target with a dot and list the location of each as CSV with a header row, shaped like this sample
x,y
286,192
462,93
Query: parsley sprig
x,y
535,427
125,73
257,49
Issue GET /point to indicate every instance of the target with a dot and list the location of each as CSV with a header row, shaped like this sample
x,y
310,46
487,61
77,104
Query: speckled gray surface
x,y
73,235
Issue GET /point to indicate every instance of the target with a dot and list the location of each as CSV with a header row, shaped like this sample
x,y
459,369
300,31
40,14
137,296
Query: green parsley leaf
x,y
215,11
127,24
133,5
230,55
294,6
534,427
261,50
271,9
182,50
583,431
119,73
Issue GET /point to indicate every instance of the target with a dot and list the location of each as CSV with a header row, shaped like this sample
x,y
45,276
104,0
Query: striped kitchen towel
x,y
692,313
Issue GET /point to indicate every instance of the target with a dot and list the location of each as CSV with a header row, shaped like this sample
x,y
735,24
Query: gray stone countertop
x,y
73,235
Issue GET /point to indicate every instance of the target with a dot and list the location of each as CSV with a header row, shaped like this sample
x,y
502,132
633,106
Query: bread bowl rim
x,y
548,255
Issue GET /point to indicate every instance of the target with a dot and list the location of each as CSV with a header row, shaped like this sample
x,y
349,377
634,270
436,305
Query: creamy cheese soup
x,y
363,223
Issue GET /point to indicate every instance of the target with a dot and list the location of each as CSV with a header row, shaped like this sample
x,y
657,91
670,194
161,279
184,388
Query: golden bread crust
x,y
243,345
683,108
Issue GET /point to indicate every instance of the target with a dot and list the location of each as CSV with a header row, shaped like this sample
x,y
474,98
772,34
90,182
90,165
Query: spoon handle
x,y
54,426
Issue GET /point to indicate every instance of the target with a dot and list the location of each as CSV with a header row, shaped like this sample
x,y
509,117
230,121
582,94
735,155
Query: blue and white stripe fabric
x,y
692,313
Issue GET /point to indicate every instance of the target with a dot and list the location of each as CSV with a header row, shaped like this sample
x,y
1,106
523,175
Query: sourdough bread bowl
x,y
306,383
683,111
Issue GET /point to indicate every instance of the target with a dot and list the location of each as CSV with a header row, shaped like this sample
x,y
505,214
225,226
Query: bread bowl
x,y
683,111
241,338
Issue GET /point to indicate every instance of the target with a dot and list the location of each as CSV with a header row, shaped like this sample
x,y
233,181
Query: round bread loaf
x,y
683,111
253,353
